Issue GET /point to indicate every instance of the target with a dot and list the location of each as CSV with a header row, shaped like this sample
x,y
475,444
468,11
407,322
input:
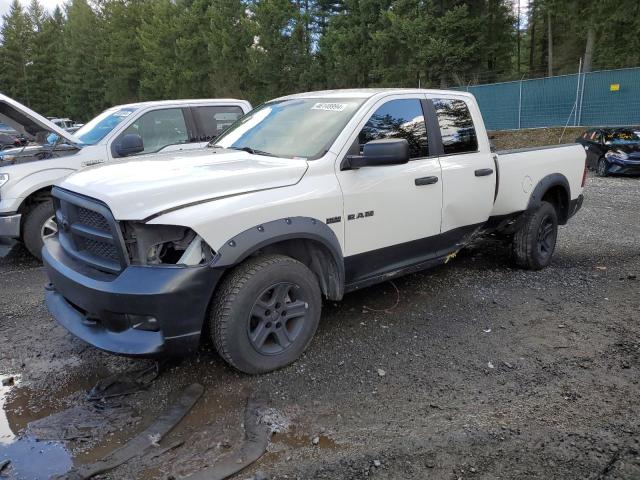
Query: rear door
x,y
468,166
212,120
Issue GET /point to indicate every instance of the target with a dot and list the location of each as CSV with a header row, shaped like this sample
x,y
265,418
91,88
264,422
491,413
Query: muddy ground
x,y
489,372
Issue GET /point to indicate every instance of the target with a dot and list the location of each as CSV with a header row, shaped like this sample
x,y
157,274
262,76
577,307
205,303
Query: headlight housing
x,y
620,154
164,245
4,178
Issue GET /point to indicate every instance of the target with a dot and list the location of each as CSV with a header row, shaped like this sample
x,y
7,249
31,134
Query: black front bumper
x,y
623,168
169,303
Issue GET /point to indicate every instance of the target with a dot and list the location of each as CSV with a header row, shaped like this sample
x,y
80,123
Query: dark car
x,y
612,150
10,138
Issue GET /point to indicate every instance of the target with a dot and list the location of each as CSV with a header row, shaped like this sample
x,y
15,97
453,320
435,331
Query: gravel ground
x,y
471,370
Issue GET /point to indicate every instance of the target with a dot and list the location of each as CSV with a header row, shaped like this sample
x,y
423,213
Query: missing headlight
x,y
164,245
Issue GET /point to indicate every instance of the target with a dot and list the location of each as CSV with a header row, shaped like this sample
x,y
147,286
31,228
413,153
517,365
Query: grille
x,y
93,219
101,249
88,232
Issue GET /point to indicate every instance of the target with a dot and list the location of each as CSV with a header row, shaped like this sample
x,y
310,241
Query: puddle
x,y
30,459
6,433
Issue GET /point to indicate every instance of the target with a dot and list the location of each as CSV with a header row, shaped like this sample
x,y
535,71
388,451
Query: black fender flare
x,y
543,186
244,244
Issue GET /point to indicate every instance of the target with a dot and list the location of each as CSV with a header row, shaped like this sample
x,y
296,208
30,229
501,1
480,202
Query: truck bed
x,y
520,170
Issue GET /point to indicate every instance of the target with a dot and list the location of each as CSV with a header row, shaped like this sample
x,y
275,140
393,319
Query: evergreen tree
x,y
45,67
192,62
123,51
16,35
158,35
280,51
348,46
84,77
229,44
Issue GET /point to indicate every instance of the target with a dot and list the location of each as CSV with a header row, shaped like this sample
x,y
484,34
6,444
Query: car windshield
x,y
96,129
623,137
293,128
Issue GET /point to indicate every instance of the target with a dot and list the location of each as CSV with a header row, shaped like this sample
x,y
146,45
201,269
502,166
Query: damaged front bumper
x,y
145,311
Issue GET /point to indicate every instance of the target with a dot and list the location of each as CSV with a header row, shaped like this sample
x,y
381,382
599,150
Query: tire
x,y
39,224
253,330
533,245
601,169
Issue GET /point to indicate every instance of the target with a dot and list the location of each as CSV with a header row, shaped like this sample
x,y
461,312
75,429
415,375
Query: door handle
x,y
483,172
426,181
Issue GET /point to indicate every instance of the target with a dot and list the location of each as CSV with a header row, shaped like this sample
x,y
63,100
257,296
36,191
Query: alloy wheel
x,y
49,228
277,318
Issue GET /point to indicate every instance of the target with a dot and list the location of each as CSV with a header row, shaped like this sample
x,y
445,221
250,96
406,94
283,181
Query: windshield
x,y
294,128
96,129
622,137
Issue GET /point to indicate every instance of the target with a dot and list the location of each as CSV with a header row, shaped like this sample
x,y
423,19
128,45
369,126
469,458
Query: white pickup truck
x,y
27,174
310,195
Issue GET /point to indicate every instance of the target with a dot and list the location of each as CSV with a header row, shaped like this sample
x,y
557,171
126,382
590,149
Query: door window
x,y
398,119
214,120
456,126
159,129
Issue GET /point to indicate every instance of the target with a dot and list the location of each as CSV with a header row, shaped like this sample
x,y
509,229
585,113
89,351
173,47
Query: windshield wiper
x,y
250,150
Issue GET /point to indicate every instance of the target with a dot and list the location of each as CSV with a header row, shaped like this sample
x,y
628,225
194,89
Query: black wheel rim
x,y
277,318
546,237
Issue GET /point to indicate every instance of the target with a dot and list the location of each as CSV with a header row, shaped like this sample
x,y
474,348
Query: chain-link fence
x,y
608,97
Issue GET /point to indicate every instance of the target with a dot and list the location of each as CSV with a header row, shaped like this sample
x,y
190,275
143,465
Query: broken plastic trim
x,y
164,245
145,440
256,440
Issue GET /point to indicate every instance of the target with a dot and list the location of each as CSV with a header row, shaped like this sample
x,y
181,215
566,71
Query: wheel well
x,y
559,198
35,198
32,200
317,257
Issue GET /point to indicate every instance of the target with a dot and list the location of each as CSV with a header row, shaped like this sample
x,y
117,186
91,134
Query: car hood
x,y
26,121
631,149
140,189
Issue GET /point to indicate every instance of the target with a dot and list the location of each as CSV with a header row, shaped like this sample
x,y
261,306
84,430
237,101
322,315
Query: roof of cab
x,y
371,92
191,101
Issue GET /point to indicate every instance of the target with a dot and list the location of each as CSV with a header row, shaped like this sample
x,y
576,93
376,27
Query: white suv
x,y
28,173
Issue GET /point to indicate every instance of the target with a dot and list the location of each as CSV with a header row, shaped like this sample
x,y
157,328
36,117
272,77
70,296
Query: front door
x,y
391,212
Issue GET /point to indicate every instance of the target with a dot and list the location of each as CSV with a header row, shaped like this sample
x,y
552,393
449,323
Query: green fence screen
x,y
603,98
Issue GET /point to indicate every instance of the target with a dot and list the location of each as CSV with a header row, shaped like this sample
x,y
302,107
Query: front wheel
x,y
265,313
533,245
39,224
602,168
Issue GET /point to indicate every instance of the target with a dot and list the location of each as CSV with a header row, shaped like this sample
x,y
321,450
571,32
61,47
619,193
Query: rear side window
x,y
214,120
398,119
456,126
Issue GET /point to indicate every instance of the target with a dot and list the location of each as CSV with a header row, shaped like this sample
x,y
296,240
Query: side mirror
x,y
130,144
377,153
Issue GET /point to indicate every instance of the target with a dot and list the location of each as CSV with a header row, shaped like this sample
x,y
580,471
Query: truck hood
x,y
26,121
139,189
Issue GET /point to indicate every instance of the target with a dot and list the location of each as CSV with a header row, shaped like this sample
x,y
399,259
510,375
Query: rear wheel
x,y
602,168
265,313
533,245
39,224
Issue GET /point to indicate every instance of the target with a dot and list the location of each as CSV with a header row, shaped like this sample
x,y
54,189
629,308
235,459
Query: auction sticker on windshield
x,y
332,107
